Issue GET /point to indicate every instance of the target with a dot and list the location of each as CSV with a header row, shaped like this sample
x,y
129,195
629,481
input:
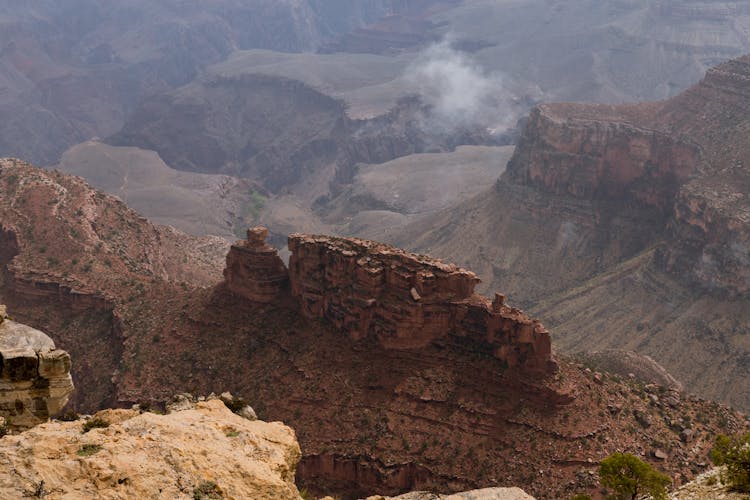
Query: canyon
x,y
471,396
633,217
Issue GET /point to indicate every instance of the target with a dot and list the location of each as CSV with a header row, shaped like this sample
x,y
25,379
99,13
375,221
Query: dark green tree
x,y
628,477
734,453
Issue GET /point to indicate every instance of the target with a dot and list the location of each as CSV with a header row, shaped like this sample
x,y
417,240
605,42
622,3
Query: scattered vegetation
x,y
630,477
235,404
94,423
68,416
734,453
89,449
207,490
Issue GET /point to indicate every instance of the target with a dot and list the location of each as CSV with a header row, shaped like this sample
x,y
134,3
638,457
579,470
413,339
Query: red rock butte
x,y
402,300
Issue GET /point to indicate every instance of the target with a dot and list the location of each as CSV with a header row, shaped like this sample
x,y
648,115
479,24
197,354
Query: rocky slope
x,y
205,451
633,217
72,258
484,494
195,203
389,410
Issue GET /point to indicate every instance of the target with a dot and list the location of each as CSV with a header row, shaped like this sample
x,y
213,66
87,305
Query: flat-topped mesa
x,y
35,379
254,269
409,301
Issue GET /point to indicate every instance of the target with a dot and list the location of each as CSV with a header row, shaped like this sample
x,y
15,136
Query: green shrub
x,y
89,449
629,477
94,423
734,453
207,490
580,496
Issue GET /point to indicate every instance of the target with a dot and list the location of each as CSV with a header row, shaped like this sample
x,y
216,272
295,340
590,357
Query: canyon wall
x,y
589,152
404,301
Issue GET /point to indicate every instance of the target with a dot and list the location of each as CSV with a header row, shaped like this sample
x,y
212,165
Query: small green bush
x,y
629,477
94,423
734,453
207,490
89,449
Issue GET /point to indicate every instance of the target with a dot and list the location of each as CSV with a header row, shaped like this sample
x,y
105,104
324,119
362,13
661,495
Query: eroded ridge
x,y
403,300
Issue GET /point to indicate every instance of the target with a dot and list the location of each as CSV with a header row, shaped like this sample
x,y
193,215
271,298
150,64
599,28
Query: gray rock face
x,y
35,379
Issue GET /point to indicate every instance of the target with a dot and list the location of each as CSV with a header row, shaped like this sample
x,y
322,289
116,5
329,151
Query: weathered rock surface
x,y
71,257
483,494
205,448
407,301
706,486
35,379
254,269
589,157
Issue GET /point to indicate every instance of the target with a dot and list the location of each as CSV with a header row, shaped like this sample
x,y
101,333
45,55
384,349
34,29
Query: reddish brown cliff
x,y
405,301
593,152
687,157
254,269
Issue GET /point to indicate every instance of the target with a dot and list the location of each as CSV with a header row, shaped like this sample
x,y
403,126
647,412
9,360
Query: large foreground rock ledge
x,y
178,456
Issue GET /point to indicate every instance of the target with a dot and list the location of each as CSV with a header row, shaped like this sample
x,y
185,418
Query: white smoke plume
x,y
459,91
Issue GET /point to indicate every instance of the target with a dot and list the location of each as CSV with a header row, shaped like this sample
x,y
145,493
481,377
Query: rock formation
x,y
566,150
35,379
483,494
445,416
408,301
204,451
254,269
405,301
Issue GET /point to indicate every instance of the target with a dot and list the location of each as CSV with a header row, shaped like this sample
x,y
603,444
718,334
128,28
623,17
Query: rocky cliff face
x,y
35,380
254,269
409,301
202,451
402,300
687,157
592,158
626,227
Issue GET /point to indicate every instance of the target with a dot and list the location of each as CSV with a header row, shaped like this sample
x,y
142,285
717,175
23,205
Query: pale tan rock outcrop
x,y
35,379
707,486
483,494
153,456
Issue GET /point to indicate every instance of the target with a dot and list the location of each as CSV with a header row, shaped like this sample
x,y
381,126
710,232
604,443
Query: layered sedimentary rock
x,y
571,150
405,301
35,379
204,451
369,289
254,269
687,157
